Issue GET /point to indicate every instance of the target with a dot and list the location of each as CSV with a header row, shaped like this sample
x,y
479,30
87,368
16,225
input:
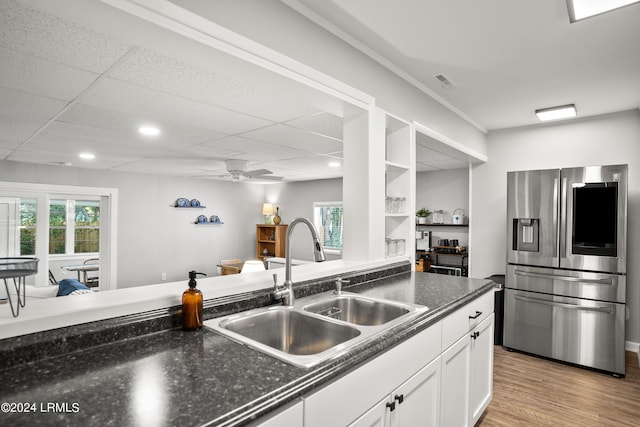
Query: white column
x,y
363,186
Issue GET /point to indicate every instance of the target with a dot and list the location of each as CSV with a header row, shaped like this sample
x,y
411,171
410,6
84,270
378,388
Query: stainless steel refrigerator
x,y
565,289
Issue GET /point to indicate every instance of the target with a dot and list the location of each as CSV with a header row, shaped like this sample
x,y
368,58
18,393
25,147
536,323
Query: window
x,y
327,217
74,226
27,227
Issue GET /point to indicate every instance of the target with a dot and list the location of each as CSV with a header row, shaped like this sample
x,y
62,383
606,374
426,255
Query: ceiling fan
x,y
237,170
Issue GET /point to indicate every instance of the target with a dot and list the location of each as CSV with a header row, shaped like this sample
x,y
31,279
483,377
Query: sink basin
x,y
359,310
317,328
291,335
291,331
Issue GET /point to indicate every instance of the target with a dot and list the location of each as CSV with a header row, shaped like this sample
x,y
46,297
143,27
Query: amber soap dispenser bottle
x,y
192,305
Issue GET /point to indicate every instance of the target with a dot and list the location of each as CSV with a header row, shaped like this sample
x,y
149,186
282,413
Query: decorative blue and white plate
x,y
182,202
215,219
195,203
202,219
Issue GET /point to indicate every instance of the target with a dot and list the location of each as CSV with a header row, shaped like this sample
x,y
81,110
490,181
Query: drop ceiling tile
x,y
296,138
9,144
43,35
73,146
29,105
322,123
254,150
136,100
42,77
19,128
61,158
159,166
92,122
159,72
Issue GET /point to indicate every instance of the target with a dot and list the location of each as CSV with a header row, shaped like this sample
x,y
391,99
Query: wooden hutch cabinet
x,y
270,240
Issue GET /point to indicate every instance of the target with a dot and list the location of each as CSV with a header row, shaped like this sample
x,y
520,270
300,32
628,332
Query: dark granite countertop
x,y
193,378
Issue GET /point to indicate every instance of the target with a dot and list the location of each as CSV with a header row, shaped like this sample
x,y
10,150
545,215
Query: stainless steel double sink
x,y
316,328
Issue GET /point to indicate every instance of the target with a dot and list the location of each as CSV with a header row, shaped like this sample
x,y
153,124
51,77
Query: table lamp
x,y
267,211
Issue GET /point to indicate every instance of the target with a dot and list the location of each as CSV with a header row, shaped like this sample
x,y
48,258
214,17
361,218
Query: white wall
x,y
445,190
295,200
154,237
609,139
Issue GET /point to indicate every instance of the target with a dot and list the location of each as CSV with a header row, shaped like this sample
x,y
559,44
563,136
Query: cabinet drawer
x,y
466,318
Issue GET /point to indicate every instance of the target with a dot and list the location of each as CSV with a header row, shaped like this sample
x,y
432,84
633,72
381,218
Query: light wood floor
x,y
530,391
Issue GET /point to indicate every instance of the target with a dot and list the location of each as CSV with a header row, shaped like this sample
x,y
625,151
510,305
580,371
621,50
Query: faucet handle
x,y
275,280
339,282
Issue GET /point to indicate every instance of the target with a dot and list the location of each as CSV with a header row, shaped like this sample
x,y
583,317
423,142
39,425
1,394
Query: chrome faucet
x,y
285,292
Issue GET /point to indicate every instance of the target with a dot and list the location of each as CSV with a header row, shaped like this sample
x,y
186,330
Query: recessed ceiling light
x,y
334,164
581,9
556,113
87,156
149,130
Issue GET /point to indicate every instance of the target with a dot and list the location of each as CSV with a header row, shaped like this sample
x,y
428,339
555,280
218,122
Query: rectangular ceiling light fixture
x,y
556,113
581,9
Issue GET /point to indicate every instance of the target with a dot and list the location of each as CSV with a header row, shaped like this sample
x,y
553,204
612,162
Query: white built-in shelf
x,y
397,167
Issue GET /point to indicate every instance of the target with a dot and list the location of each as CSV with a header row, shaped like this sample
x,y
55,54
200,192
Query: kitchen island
x,y
193,378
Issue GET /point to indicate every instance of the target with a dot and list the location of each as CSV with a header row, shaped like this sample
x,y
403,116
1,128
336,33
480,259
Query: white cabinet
x,y
416,402
455,384
467,372
291,416
345,400
481,372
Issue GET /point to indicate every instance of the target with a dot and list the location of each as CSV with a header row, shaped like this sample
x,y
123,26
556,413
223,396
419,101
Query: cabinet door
x,y
455,384
481,383
417,401
378,416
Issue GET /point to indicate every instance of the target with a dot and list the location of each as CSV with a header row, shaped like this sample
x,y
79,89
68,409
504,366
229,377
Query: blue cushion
x,y
66,286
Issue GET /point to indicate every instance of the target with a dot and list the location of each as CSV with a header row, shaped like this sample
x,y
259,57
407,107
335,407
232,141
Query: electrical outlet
x,y
164,276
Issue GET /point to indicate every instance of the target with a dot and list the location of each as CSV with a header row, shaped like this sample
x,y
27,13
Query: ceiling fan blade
x,y
266,177
257,172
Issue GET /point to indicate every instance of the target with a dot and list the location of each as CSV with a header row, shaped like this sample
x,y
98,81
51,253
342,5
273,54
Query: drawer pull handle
x,y
478,314
475,335
399,398
391,406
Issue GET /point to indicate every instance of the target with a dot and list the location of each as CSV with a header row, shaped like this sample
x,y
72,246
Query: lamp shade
x,y
267,209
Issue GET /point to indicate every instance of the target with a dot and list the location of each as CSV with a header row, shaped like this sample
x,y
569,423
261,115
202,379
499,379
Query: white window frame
x,y
108,224
318,225
70,202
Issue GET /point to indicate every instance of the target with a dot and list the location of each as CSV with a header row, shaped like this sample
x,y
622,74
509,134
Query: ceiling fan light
x,y
557,113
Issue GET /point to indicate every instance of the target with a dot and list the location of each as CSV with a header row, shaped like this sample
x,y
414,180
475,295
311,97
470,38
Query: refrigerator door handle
x,y
562,231
555,219
607,281
607,310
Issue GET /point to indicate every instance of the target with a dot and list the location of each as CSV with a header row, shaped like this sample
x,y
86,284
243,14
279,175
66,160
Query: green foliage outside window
x,y
331,228
27,227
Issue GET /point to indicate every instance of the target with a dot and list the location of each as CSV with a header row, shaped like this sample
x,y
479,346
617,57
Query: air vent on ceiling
x,y
445,81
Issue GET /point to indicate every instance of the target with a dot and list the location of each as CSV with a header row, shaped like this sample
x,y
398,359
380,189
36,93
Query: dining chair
x,y
92,278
